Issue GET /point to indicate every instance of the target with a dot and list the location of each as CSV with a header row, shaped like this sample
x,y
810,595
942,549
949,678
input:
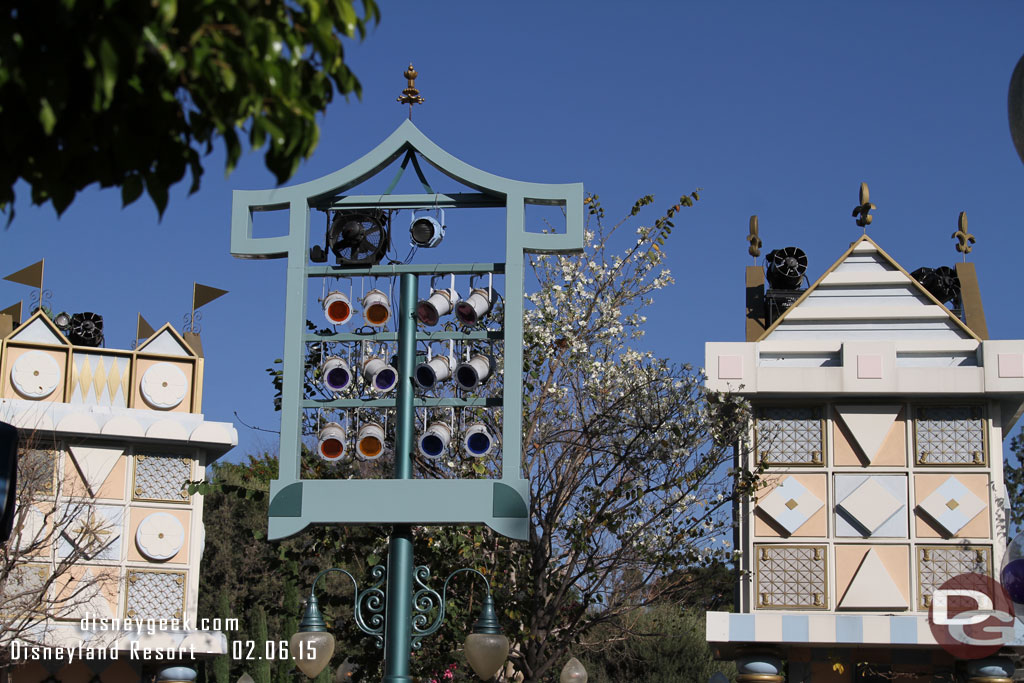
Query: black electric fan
x,y
356,238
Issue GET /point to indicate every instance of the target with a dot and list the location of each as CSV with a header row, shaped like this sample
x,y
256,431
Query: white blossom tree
x,y
628,456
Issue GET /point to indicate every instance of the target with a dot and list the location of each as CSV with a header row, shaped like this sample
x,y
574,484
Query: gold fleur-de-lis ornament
x,y
964,238
861,211
755,241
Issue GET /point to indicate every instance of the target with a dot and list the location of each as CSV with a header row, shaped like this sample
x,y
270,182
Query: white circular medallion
x,y
160,536
35,374
164,385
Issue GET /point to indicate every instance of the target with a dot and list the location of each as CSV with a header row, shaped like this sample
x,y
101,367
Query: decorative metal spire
x,y
964,238
410,95
755,241
860,212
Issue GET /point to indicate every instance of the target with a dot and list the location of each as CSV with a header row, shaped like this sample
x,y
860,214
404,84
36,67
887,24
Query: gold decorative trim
x,y
817,457
924,553
134,575
43,571
820,555
138,490
921,410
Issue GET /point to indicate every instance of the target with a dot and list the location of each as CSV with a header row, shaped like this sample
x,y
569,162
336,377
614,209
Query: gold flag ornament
x,y
10,318
143,330
31,276
202,295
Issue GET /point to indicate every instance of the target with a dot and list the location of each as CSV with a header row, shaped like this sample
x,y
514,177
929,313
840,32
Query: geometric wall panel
x,y
100,380
25,585
160,536
160,477
952,505
37,470
166,344
938,564
791,576
95,464
872,587
155,594
788,435
35,374
94,532
949,435
869,425
164,385
790,504
872,506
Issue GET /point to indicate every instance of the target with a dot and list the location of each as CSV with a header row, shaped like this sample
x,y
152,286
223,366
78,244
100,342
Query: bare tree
x,y
43,578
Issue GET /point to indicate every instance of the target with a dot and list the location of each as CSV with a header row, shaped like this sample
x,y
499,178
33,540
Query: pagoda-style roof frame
x,y
501,504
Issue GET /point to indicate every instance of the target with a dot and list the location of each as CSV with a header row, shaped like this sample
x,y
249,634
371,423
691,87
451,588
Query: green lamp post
x,y
312,647
358,237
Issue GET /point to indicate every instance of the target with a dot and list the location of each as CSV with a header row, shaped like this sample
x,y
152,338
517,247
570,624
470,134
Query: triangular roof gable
x,y
906,280
407,136
166,333
39,329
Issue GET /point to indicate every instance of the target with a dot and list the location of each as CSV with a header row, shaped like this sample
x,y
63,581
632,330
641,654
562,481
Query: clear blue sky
x,y
779,109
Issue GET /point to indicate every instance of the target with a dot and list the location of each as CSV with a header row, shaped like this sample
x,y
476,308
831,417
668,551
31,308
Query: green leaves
x,y
133,94
47,117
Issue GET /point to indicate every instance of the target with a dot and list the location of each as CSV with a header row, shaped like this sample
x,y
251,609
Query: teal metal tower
x,y
404,500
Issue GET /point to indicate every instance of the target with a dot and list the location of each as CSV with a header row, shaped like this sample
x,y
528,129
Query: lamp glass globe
x,y
311,651
486,653
573,672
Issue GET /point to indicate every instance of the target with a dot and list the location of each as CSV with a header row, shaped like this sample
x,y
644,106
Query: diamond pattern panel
x,y
870,505
155,594
791,576
160,477
789,435
790,504
100,380
952,505
938,564
950,435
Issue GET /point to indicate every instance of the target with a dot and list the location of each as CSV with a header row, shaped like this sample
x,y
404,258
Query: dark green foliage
x,y
259,669
663,644
221,666
132,93
275,577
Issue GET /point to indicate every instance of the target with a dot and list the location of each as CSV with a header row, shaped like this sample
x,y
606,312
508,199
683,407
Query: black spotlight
x,y
357,238
426,231
86,329
63,323
786,267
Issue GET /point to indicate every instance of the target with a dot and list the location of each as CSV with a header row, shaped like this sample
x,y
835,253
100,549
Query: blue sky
x,y
779,109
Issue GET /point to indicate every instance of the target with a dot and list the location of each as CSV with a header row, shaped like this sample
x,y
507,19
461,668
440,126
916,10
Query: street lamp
x,y
313,645
573,672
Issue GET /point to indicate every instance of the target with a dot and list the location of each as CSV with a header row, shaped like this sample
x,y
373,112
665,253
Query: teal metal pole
x,y
398,610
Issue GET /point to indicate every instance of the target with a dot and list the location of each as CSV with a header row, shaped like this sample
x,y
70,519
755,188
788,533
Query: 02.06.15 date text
x,y
271,649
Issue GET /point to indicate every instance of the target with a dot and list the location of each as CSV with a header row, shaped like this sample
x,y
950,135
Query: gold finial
x,y
755,241
964,238
860,212
410,95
